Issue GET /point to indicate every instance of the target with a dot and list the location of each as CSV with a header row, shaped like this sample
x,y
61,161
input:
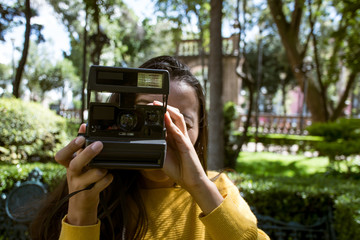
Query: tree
x,y
111,34
10,16
44,75
180,13
216,121
243,71
5,78
344,45
19,71
29,13
273,64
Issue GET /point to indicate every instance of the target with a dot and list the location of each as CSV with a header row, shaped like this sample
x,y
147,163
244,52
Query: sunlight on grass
x,y
272,164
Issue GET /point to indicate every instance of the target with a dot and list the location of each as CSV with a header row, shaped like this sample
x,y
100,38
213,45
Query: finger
x,y
175,135
90,176
157,103
82,159
175,114
178,119
82,128
79,151
65,155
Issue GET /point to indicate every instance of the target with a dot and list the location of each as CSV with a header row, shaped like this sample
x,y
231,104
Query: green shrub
x,y
341,140
72,128
12,173
347,227
230,140
305,200
286,141
29,131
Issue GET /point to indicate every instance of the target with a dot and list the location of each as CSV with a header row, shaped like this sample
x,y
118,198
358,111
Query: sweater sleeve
x,y
232,219
69,232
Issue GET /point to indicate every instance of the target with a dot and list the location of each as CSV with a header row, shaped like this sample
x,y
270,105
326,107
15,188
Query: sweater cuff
x,y
69,231
227,221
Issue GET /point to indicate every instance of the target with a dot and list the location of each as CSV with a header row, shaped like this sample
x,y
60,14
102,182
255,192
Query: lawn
x,y
273,164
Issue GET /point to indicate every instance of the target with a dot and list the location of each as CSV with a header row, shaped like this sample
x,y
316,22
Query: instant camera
x,y
133,135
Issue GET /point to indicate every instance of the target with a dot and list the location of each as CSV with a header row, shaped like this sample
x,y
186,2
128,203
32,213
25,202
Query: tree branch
x,y
312,24
345,95
317,60
296,16
278,14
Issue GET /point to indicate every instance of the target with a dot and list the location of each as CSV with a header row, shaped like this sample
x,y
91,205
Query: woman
x,y
179,201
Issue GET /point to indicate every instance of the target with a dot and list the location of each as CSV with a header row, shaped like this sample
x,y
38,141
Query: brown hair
x,y
181,72
114,211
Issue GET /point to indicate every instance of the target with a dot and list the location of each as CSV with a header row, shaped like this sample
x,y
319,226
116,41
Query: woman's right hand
x,y
83,206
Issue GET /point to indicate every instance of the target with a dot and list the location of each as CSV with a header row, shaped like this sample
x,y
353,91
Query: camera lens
x,y
127,121
152,117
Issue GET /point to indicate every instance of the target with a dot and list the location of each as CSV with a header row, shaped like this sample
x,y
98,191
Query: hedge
x,y
305,199
341,141
29,131
285,141
302,199
12,173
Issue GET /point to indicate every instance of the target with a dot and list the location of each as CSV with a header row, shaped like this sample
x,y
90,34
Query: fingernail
x,y
96,146
168,115
157,102
79,140
109,177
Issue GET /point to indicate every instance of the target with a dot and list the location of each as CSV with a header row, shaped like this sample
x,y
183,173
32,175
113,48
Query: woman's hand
x,y
83,206
183,165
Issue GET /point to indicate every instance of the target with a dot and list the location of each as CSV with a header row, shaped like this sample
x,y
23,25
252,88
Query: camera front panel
x,y
140,122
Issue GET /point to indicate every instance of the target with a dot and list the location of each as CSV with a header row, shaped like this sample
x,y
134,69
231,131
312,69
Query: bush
x,y
286,141
230,140
341,141
29,131
12,173
305,200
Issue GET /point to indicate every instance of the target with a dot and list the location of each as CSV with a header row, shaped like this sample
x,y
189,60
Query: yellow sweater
x,y
173,214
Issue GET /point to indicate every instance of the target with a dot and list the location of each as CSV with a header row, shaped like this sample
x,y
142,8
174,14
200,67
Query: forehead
x,y
183,97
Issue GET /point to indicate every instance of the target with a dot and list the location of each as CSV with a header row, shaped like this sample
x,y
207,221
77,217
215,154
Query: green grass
x,y
272,164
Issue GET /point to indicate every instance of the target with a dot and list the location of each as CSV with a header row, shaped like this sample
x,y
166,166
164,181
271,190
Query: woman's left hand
x,y
183,165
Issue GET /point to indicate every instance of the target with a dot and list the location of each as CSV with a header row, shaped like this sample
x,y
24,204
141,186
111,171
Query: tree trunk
x,y
289,33
22,62
258,86
242,71
98,45
84,66
216,121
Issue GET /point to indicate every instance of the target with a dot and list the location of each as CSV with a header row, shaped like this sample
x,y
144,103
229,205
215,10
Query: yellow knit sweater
x,y
173,214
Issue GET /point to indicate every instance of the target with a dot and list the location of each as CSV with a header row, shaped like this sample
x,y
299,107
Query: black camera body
x,y
133,135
